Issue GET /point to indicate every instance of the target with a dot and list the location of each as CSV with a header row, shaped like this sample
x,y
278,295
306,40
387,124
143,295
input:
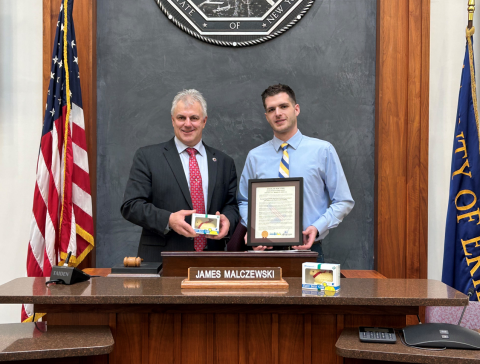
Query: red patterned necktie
x,y
196,192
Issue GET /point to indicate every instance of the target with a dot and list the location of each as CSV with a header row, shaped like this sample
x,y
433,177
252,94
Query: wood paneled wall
x,y
401,131
85,21
401,138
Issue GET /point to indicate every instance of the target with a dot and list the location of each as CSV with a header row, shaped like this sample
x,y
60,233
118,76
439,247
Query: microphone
x,y
65,263
67,275
469,294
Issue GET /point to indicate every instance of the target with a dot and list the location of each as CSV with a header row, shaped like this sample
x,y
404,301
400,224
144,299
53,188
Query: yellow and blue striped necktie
x,y
284,163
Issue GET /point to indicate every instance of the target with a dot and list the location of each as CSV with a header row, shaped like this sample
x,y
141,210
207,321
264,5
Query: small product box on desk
x,y
206,224
321,276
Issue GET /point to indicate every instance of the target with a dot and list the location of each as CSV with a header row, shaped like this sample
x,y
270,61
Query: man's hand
x,y
224,227
258,248
177,222
309,236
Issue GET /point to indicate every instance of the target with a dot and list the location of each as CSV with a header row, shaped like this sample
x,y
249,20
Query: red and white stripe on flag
x,y
46,248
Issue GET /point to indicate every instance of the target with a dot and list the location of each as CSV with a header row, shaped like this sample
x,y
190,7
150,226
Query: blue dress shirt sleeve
x,y
242,194
337,187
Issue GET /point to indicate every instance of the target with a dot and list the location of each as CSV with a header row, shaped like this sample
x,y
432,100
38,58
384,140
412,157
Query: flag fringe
x,y
85,235
38,316
75,261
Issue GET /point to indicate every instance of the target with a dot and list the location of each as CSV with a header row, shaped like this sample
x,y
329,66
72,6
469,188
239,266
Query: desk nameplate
x,y
234,277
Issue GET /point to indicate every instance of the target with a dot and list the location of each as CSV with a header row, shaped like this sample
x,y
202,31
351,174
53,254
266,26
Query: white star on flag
x,y
60,64
52,112
52,75
75,59
62,29
73,43
55,60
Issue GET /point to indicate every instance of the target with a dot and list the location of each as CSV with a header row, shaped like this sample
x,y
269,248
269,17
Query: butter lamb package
x,y
206,224
321,276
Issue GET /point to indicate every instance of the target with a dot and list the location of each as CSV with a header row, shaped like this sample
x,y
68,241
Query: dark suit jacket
x,y
157,187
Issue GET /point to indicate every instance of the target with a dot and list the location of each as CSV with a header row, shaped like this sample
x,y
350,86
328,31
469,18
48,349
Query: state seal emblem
x,y
235,23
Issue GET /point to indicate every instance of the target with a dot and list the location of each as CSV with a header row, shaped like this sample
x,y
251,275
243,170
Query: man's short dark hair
x,y
275,90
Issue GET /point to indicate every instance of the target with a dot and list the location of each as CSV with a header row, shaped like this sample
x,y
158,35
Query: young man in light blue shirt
x,y
313,159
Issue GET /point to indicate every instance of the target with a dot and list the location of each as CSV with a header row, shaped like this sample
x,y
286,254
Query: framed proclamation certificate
x,y
275,212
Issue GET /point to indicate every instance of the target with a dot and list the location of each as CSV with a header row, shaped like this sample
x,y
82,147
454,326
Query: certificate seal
x,y
264,234
235,23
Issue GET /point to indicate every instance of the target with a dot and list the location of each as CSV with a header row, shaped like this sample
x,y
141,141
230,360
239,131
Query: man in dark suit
x,y
170,181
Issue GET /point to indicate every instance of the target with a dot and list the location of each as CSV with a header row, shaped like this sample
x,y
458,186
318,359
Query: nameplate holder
x,y
234,277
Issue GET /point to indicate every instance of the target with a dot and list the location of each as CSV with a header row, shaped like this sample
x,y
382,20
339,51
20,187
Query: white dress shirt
x,y
202,164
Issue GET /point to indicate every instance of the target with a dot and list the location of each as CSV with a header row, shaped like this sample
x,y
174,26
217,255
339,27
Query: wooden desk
x,y
349,346
351,273
154,321
176,264
102,272
345,273
47,344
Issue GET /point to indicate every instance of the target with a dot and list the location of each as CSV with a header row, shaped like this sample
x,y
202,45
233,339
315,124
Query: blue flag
x,y
461,257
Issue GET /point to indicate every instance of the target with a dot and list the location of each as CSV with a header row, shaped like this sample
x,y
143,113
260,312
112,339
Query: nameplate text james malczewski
x,y
235,273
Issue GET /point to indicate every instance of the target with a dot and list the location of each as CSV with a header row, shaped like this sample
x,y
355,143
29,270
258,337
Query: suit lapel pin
x,y
214,159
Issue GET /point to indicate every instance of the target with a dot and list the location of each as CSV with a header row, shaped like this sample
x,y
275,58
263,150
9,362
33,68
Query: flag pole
x,y
471,10
470,31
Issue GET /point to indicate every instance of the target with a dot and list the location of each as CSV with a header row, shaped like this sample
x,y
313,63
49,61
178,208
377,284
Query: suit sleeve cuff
x,y
167,228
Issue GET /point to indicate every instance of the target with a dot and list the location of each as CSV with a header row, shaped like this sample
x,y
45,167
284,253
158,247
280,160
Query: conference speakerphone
x,y
383,335
438,335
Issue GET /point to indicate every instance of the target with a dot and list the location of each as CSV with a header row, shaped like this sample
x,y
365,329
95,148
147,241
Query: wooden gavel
x,y
132,261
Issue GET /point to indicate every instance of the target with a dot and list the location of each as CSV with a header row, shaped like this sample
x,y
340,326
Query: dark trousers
x,y
317,247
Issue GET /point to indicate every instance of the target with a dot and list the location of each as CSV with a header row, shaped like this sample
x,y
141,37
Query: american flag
x,y
62,204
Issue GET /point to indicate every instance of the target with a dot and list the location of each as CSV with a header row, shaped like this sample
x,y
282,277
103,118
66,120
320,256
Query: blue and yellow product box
x,y
206,224
321,276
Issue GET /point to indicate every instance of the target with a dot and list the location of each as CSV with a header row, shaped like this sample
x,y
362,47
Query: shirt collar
x,y
293,142
181,147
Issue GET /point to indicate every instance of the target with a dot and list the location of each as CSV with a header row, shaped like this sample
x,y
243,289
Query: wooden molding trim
x,y
401,138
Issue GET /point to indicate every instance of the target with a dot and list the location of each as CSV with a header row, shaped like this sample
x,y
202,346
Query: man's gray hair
x,y
189,97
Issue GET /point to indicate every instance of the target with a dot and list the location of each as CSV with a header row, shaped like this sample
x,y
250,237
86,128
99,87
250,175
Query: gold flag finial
x,y
471,10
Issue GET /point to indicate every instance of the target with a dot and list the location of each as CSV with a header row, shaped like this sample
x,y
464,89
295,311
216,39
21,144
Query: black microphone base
x,y
68,275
